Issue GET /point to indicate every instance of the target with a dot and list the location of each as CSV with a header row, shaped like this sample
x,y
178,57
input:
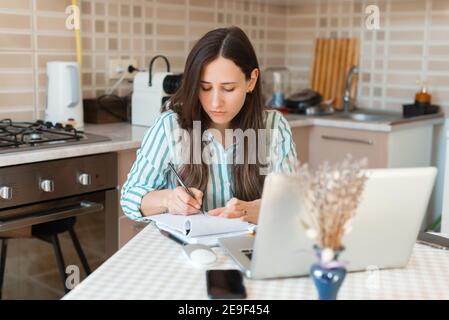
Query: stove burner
x,y
35,135
21,134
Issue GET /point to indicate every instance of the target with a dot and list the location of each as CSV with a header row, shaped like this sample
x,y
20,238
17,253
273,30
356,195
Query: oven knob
x,y
84,179
47,185
6,193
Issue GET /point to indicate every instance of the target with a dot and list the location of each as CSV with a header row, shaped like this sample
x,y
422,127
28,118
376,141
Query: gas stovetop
x,y
21,136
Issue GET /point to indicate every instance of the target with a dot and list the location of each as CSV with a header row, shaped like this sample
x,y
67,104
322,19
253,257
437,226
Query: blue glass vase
x,y
328,277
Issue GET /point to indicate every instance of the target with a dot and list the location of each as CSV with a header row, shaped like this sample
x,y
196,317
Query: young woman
x,y
220,92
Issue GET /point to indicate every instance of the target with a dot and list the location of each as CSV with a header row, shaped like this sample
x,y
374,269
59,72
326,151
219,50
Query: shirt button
x,y
210,136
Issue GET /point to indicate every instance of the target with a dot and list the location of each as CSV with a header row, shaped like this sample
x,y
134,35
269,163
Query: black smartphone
x,y
225,284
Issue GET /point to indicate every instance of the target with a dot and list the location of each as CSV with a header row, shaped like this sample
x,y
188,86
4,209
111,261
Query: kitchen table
x,y
151,266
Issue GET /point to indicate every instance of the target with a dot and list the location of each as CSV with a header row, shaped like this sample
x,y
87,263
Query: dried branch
x,y
332,196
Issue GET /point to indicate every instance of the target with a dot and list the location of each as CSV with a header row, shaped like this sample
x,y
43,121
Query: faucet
x,y
347,97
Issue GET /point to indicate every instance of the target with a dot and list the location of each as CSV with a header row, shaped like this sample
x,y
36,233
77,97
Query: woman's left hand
x,y
235,208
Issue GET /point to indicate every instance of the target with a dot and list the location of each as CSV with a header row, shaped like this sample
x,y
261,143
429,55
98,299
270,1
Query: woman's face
x,y
223,90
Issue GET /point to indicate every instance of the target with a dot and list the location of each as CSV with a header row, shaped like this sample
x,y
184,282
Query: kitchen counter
x,y
151,266
297,120
125,136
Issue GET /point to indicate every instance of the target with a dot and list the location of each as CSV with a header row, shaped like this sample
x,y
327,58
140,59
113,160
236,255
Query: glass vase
x,y
328,277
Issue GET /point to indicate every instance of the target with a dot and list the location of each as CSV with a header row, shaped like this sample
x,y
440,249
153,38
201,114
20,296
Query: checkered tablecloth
x,y
151,266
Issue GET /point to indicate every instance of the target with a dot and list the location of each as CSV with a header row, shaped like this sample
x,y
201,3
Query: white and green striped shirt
x,y
150,170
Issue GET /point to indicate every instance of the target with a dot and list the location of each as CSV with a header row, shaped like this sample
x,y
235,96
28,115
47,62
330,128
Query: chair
x,y
49,232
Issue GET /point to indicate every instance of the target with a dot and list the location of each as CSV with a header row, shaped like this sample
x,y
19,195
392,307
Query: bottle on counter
x,y
277,100
276,86
423,98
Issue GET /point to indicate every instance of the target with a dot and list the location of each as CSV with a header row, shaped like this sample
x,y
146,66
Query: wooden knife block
x,y
332,60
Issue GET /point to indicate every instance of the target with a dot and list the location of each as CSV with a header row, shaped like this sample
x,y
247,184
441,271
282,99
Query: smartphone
x,y
225,284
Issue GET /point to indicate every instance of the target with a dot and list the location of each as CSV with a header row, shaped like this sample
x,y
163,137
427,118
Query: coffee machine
x,y
151,91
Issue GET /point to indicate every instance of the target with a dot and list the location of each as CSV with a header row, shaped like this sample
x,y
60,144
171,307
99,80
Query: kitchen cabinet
x,y
399,148
333,144
127,228
301,138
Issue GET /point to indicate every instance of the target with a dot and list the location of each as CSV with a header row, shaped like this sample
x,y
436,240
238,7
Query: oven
x,y
47,191
80,189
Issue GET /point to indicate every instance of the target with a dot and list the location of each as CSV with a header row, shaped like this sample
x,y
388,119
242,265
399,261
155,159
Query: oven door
x,y
31,268
103,204
36,214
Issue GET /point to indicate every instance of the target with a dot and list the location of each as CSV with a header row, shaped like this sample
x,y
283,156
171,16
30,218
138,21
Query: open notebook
x,y
199,228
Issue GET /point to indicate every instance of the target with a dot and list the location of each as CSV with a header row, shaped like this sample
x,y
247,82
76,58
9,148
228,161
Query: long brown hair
x,y
230,43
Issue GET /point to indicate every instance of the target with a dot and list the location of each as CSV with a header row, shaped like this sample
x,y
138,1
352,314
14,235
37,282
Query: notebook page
x,y
208,240
199,225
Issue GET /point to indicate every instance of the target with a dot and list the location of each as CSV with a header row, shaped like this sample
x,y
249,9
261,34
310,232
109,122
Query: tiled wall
x,y
33,32
412,42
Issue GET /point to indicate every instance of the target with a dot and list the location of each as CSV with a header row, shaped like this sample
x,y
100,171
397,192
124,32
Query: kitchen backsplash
x,y
33,32
412,42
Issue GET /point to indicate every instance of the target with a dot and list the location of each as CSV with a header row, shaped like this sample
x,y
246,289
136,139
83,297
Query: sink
x,y
369,116
364,117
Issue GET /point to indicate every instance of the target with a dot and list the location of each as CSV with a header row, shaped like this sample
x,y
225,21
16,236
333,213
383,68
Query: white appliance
x,y
150,92
64,96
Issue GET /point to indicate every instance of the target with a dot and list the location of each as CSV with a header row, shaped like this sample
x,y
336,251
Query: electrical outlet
x,y
117,65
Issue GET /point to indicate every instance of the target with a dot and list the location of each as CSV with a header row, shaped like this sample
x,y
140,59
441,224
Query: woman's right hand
x,y
180,202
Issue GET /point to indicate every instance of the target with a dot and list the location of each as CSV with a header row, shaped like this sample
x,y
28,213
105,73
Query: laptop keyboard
x,y
248,253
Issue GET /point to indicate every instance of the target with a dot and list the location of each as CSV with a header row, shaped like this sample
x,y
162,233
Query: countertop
x,y
125,136
151,266
297,120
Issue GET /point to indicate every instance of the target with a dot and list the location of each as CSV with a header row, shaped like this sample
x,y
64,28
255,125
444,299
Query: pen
x,y
172,168
170,236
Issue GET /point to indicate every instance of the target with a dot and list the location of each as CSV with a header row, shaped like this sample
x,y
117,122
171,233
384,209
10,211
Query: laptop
x,y
385,227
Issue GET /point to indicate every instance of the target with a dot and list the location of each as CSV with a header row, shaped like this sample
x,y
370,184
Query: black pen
x,y
170,236
172,168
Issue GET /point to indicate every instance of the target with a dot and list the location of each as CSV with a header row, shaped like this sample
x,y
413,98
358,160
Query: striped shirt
x,y
161,144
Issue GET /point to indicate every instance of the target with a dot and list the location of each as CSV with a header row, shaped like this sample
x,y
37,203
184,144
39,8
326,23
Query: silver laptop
x,y
385,227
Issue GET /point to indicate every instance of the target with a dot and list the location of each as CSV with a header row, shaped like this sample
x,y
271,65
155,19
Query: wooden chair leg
x,y
80,251
59,260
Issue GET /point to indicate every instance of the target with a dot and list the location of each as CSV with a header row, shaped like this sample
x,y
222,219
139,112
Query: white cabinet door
x,y
127,228
301,137
333,144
